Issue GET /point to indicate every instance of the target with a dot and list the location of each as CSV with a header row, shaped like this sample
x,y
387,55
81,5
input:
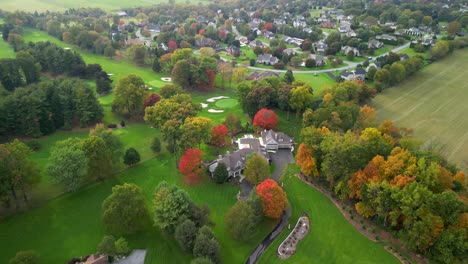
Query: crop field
x,y
55,5
434,104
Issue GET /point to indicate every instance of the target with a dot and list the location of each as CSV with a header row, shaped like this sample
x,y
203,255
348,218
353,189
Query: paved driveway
x,y
281,158
136,257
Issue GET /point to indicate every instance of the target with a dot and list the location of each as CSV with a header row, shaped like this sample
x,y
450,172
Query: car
x,y
369,58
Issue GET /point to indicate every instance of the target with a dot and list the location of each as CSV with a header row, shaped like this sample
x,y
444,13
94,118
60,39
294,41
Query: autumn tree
x,y
273,198
219,134
191,165
306,161
301,98
266,119
177,108
257,169
168,91
232,123
129,96
440,50
195,130
367,117
170,204
67,164
240,221
151,100
124,211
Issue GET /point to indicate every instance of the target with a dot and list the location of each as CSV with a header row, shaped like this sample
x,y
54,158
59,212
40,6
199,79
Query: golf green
x,y
226,103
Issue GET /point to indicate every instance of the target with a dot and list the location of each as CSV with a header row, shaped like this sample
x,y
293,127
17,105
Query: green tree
x,y
257,169
440,50
112,141
397,72
156,65
382,79
107,246
99,157
201,261
176,108
232,122
124,211
181,74
29,66
137,53
195,130
240,221
109,51
220,174
25,257
185,234
170,205
288,77
169,90
121,247
130,94
206,245
350,55
131,157
301,98
156,145
67,164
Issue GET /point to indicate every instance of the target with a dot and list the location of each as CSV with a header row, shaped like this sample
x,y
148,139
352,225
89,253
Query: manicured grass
x,y
317,82
384,49
331,238
6,51
226,103
54,5
410,52
433,103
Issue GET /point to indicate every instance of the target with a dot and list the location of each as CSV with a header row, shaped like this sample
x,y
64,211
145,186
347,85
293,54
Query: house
x,y
255,43
97,259
374,44
122,14
163,46
289,52
279,21
327,24
307,30
392,25
205,42
400,32
285,38
344,27
351,33
258,75
269,35
428,41
403,56
414,32
346,49
377,65
357,74
319,59
243,40
233,50
272,140
321,46
299,23
154,29
267,59
386,37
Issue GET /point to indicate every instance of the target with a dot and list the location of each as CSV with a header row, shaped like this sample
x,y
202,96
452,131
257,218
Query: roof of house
x,y
272,137
97,259
360,70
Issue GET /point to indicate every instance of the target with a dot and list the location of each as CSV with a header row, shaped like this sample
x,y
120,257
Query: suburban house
x,y
344,27
269,35
279,21
346,49
351,33
299,23
377,65
255,43
386,37
258,75
267,59
289,52
321,46
358,74
233,50
307,30
248,144
242,40
319,59
374,44
154,29
403,56
327,24
206,42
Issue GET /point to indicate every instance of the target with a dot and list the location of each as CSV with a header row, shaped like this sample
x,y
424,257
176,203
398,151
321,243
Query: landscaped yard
x,y
331,238
433,103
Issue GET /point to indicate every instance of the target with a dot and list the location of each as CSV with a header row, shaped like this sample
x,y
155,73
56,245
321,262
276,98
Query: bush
x,y
112,126
122,123
377,238
121,247
25,257
156,145
131,157
220,174
34,145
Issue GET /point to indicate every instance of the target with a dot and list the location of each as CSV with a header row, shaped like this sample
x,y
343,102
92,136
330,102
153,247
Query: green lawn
x,y
410,52
317,82
6,51
331,238
433,103
54,5
384,49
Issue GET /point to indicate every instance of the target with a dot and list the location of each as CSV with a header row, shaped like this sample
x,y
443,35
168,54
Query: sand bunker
x,y
204,105
213,99
215,111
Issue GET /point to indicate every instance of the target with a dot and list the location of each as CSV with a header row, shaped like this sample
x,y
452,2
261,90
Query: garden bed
x,y
288,247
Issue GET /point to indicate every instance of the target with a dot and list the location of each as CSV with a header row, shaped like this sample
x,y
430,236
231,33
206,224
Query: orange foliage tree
x,y
218,135
190,165
306,161
274,200
266,119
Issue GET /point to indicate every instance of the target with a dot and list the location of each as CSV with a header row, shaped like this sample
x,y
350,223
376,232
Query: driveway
x,y
136,257
280,159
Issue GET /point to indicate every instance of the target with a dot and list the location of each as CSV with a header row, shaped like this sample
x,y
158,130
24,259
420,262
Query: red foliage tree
x,y
172,45
268,26
190,165
211,75
274,200
151,100
222,34
266,119
201,32
218,135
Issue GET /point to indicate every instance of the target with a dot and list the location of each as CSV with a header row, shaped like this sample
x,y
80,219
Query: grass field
x,y
433,103
54,5
317,82
6,51
331,238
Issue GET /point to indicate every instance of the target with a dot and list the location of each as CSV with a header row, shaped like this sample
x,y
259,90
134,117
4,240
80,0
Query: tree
x,y
310,63
306,161
218,135
129,96
25,257
266,119
99,157
107,246
175,108
112,141
206,245
190,165
195,130
156,145
382,79
288,77
185,234
397,72
181,74
440,50
109,51
257,169
170,205
350,55
273,198
137,53
240,221
103,86
169,90
201,261
453,27
124,211
232,123
301,98
151,100
121,247
67,164
131,157
220,174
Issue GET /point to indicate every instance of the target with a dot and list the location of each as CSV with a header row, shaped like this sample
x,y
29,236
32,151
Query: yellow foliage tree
x,y
306,161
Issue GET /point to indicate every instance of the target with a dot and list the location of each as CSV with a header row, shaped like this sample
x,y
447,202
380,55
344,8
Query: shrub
x,y
25,257
112,126
34,145
131,157
156,145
